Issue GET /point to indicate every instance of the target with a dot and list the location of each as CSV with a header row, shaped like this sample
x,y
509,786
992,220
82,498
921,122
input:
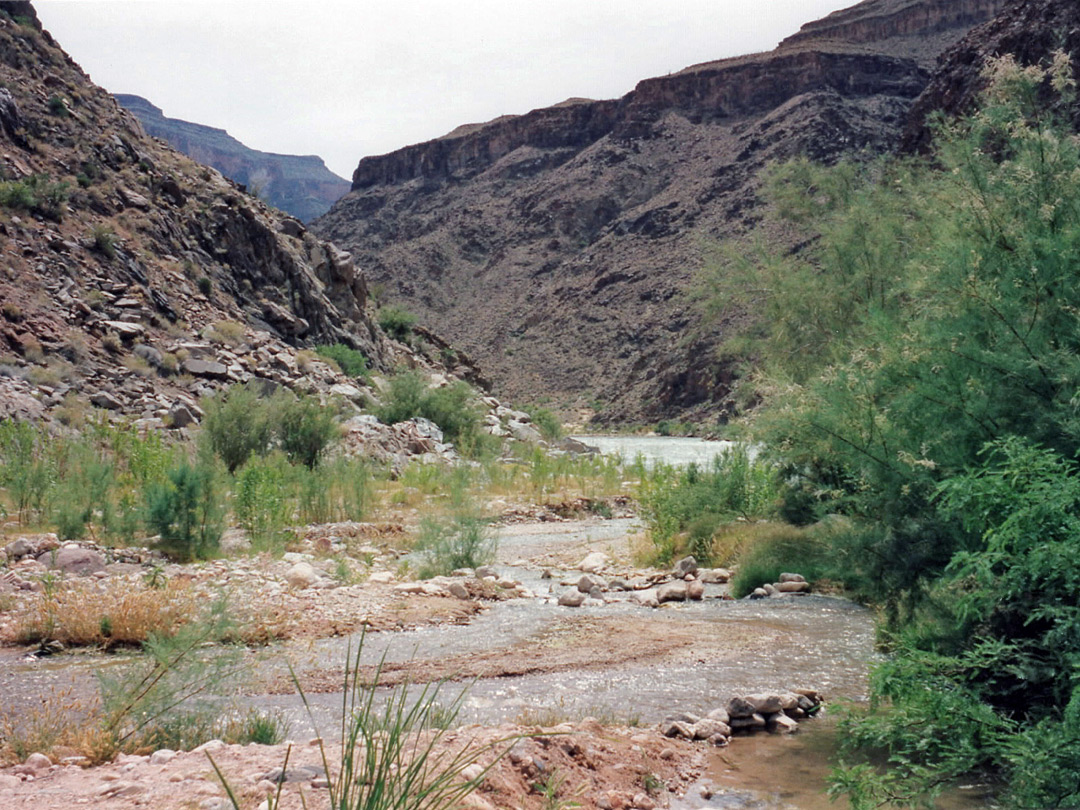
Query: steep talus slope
x,y
300,185
559,246
1030,30
133,275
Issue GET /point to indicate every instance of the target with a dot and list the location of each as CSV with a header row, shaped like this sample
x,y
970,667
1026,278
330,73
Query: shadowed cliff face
x,y
559,246
298,185
1031,30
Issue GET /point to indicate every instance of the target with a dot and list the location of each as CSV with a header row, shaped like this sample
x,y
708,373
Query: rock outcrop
x,y
299,185
559,246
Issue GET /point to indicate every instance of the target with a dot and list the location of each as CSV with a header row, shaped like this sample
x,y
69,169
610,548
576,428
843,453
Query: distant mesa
x,y
298,185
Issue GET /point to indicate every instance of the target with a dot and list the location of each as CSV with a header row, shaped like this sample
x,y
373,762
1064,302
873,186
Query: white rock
x,y
593,562
162,756
38,762
301,575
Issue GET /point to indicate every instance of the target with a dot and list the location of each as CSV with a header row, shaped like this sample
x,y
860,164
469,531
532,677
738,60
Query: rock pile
x,y
777,713
789,584
685,583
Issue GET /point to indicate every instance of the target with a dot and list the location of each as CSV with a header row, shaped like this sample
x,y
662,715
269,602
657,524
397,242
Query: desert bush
x,y
37,194
396,321
237,424
451,407
185,511
119,614
335,491
230,333
58,107
464,540
205,285
305,428
734,486
779,550
349,360
104,240
547,423
262,501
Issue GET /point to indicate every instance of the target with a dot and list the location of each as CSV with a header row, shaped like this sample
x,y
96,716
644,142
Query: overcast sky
x,y
347,78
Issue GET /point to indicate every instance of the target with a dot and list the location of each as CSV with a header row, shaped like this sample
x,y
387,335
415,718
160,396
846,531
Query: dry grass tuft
x,y
115,613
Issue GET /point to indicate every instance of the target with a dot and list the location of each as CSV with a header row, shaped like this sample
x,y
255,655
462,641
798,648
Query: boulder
x,y
181,415
589,581
782,724
695,590
685,566
770,704
206,368
458,590
739,708
593,562
671,592
572,598
73,560
759,593
645,598
706,729
677,728
752,723
485,571
301,575
714,576
103,399
793,587
720,715
792,578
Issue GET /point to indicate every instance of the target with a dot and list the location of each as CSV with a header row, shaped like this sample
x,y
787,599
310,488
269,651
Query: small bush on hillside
x,y
396,321
547,423
58,107
349,360
452,407
37,194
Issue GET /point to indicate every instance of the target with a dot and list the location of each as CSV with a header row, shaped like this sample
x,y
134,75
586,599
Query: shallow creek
x,y
725,647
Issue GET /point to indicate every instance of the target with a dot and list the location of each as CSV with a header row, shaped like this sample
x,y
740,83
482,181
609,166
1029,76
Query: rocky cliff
x,y
299,185
134,278
559,246
1031,30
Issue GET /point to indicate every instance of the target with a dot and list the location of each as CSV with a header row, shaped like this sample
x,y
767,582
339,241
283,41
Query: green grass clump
x,y
349,360
396,321
783,549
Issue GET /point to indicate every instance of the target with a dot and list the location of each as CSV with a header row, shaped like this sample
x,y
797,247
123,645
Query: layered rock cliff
x,y
299,185
559,246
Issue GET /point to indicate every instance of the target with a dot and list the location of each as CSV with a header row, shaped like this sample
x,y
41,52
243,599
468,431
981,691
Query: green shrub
x,y
733,486
262,502
799,551
547,423
237,424
37,194
349,360
104,241
205,285
463,541
186,512
305,429
452,407
58,107
396,321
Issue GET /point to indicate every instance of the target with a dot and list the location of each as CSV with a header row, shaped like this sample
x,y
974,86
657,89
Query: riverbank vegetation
x,y
920,364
